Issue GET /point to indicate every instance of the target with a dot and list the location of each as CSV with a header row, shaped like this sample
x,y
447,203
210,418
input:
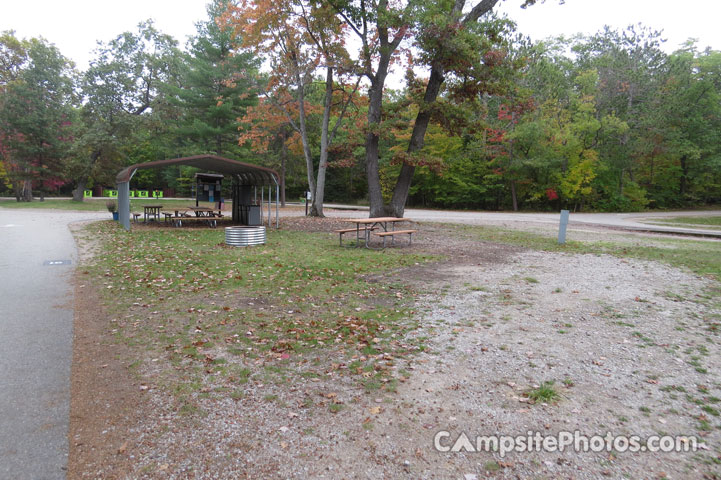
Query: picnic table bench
x,y
392,234
343,231
210,221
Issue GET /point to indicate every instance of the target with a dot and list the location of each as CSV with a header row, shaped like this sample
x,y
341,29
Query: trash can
x,y
254,215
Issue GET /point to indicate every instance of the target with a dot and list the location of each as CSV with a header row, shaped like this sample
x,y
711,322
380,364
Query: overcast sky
x,y
75,26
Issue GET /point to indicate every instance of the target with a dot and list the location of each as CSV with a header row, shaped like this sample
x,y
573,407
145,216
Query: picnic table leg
x,y
369,228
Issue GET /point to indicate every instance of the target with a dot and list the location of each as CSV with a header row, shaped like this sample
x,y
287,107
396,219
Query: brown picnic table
x,y
151,211
366,226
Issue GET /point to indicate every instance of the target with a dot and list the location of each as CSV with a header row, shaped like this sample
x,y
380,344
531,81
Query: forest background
x,y
483,118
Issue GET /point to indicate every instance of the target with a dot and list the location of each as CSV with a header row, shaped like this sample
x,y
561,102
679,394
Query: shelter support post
x,y
268,206
234,198
277,192
124,204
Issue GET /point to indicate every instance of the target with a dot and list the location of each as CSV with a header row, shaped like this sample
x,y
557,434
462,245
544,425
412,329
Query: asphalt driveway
x,y
37,257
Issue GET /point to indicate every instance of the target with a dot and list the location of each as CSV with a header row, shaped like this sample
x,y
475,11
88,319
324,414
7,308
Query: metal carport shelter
x,y
243,174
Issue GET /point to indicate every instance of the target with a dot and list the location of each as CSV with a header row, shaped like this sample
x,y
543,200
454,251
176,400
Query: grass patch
x,y
701,257
544,393
217,313
710,221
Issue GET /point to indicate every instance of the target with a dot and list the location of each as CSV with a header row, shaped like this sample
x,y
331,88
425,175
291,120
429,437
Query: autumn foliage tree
x,y
300,39
459,51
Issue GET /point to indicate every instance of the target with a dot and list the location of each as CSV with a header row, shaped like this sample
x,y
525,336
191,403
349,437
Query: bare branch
x,y
479,10
342,113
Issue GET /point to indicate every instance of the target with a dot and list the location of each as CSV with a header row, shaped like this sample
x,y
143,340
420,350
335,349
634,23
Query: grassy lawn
x,y
701,257
696,222
96,204
715,221
221,316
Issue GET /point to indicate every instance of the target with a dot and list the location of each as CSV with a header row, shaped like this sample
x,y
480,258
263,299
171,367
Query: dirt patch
x,y
106,399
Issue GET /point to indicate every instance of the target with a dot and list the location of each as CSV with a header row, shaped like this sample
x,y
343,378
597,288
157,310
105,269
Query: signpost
x,y
562,227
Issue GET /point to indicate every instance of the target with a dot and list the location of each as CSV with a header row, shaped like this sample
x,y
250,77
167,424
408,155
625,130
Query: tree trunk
x,y
397,206
684,173
304,131
416,142
27,192
283,160
514,198
375,100
79,191
84,177
18,190
316,209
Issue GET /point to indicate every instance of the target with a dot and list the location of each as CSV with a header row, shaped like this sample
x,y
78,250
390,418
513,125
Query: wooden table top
x,y
377,220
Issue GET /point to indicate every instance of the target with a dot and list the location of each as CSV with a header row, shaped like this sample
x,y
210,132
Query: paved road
x,y
36,331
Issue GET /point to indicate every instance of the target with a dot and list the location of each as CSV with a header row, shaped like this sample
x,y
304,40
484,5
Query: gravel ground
x,y
625,343
630,346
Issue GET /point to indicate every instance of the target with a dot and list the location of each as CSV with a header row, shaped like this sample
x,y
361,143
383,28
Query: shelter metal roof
x,y
246,173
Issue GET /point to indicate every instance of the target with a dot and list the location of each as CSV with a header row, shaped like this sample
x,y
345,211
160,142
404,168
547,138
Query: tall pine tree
x,y
216,88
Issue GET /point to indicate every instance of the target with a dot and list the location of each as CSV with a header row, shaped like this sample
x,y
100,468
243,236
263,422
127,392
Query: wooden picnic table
x,y
205,214
205,211
180,211
375,223
151,211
